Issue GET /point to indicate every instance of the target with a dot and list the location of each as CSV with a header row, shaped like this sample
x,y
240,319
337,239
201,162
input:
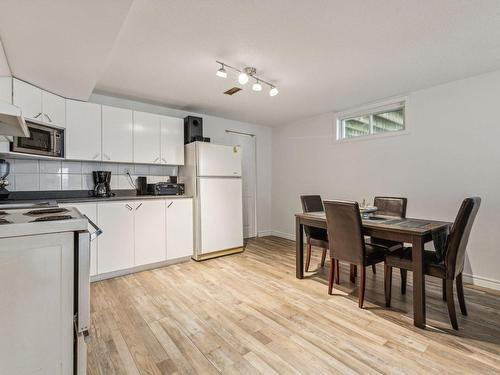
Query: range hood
x,y
12,121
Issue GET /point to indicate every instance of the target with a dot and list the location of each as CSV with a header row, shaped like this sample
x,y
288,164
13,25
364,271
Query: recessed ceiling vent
x,y
232,91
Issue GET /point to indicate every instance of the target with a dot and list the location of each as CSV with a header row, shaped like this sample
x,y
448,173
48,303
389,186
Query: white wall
x,y
215,128
451,152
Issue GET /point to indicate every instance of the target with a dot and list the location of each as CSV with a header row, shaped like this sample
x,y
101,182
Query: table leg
x,y
418,282
299,248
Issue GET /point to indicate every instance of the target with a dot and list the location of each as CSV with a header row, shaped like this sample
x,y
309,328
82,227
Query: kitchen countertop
x,y
79,196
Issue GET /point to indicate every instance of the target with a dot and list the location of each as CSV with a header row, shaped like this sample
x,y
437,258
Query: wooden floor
x,y
248,314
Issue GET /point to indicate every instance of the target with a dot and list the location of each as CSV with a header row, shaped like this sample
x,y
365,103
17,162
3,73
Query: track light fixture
x,y
221,72
244,76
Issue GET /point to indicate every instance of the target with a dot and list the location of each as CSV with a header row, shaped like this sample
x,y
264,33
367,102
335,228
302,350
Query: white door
x,y
217,160
83,130
36,304
54,109
29,99
117,134
149,232
90,210
249,182
179,228
221,218
116,243
172,140
146,137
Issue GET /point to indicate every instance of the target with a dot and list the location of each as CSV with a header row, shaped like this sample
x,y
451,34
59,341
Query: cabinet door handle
x,y
107,157
128,207
39,114
164,160
48,118
139,206
171,203
156,160
96,156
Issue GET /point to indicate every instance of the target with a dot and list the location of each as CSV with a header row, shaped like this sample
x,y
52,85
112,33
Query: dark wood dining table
x,y
417,232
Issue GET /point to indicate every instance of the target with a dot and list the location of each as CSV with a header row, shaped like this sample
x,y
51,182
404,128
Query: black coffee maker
x,y
102,181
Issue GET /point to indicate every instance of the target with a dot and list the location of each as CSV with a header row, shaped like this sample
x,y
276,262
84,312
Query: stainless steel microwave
x,y
43,140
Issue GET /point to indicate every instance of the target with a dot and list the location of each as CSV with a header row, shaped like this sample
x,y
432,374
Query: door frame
x,y
254,138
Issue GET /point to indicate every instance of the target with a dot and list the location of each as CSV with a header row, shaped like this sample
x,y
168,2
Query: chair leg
x,y
308,256
451,304
460,294
337,274
362,283
387,284
444,289
353,271
323,258
404,274
331,275
374,268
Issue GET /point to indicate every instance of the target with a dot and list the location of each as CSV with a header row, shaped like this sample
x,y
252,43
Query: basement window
x,y
370,121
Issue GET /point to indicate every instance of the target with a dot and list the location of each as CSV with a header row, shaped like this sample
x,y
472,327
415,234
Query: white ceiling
x,y
323,55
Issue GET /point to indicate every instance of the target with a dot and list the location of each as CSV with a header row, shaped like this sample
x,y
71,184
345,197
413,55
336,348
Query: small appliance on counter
x,y
142,185
163,188
102,180
4,172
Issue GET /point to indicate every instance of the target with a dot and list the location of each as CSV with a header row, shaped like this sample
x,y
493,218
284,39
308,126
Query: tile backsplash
x,y
32,175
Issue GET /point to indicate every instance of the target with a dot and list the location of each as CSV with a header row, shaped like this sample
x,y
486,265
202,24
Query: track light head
x,y
221,72
242,78
274,91
257,86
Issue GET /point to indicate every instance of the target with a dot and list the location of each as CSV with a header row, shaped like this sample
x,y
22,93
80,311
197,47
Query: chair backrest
x,y
312,203
345,231
456,243
391,206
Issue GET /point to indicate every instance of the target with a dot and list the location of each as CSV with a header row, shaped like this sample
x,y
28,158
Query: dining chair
x,y
314,236
449,268
389,206
347,243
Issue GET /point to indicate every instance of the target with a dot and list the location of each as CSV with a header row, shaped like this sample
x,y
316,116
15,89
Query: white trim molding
x,y
481,281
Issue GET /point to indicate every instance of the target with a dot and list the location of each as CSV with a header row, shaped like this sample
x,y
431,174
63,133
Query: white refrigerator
x,y
212,175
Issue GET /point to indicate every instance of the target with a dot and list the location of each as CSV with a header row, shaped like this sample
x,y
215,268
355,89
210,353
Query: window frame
x,y
368,111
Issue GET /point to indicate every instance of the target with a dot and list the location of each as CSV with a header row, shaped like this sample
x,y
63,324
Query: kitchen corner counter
x,y
121,198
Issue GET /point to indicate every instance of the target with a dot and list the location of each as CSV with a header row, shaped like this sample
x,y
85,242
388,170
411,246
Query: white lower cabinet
x,y
149,217
179,213
90,210
116,243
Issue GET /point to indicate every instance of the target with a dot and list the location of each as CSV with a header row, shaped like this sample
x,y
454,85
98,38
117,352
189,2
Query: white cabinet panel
x,y
6,89
149,232
117,134
179,228
217,160
172,140
36,313
116,243
29,99
54,109
90,210
83,130
221,213
146,138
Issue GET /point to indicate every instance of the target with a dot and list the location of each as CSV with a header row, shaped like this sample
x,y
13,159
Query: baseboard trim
x,y
264,233
468,278
481,281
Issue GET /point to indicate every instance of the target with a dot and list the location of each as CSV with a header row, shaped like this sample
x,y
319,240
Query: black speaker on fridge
x,y
193,128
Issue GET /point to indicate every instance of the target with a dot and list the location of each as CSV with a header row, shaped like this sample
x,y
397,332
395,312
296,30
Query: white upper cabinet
x,y
117,134
29,99
172,140
146,138
39,105
83,130
6,89
179,228
116,243
149,219
54,109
